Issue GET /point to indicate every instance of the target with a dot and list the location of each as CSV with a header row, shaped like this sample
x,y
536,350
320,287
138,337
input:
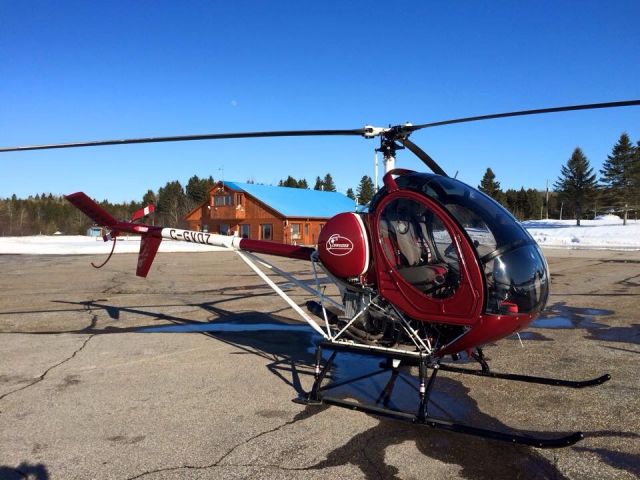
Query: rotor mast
x,y
388,142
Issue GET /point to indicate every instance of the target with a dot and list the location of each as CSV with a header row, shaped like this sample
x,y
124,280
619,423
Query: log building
x,y
280,214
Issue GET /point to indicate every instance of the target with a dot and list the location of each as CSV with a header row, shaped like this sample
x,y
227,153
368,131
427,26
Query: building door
x,y
245,230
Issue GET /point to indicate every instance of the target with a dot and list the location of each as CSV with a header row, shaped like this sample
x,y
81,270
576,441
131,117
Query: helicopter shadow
x,y
288,346
32,471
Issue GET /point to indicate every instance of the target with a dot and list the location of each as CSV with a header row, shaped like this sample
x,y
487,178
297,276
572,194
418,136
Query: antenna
x,y
375,169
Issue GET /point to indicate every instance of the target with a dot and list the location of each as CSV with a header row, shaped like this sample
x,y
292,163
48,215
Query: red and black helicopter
x,y
432,268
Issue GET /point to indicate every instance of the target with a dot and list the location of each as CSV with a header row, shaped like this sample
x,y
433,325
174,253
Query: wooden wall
x,y
248,211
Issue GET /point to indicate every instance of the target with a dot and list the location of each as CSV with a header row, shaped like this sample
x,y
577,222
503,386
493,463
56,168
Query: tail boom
x,y
152,236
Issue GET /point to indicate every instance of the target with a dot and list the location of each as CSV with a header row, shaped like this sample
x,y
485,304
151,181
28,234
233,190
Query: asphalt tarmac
x,y
191,374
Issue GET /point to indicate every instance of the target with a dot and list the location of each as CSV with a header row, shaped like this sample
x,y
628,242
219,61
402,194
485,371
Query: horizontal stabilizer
x,y
148,249
143,212
91,209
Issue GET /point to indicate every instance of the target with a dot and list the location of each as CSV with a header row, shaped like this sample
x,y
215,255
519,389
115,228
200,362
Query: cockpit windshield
x,y
515,270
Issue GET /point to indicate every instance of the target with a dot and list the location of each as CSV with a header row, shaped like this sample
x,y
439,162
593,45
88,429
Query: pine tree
x,y
329,186
350,194
293,183
618,174
171,202
365,190
635,177
319,184
197,189
490,186
577,182
534,203
510,201
289,182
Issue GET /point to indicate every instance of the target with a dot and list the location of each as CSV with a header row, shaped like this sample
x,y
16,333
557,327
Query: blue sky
x,y
78,70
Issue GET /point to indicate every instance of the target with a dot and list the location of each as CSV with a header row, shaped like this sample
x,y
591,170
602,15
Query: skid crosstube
x,y
317,394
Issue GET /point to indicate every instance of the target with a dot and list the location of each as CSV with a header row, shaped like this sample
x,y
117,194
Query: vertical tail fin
x,y
148,249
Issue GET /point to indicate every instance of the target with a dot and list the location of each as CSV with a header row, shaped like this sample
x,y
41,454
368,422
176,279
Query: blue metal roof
x,y
297,202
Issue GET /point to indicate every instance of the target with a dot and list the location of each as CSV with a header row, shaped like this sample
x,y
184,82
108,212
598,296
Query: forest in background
x,y
577,193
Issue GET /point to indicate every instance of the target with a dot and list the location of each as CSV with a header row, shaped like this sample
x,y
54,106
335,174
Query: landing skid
x,y
424,362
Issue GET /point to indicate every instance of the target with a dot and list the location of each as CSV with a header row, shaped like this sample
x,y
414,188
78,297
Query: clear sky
x,y
78,70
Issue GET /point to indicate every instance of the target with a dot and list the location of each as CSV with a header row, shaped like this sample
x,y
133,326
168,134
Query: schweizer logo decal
x,y
339,245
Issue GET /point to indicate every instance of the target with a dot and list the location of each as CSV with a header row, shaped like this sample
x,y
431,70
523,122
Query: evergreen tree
x,y
289,182
171,203
350,194
293,183
329,186
149,198
490,186
319,184
577,182
197,189
534,203
365,190
635,177
618,173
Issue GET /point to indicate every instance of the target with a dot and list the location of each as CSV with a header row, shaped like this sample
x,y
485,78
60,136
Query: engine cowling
x,y
343,246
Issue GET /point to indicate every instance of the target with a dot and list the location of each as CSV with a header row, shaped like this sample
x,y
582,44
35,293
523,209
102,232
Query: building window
x,y
245,230
306,229
295,231
239,199
222,200
224,228
266,231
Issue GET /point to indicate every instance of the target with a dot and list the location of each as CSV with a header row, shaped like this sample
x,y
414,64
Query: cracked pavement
x,y
98,379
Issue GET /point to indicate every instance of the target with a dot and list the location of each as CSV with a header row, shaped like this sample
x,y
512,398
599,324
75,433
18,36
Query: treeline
x,y
46,214
364,190
578,192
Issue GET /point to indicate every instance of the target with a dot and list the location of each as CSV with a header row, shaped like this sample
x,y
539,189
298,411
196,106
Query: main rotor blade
x,y
188,138
590,106
422,155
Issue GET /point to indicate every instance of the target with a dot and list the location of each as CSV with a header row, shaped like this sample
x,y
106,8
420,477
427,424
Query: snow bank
x,y
606,232
80,245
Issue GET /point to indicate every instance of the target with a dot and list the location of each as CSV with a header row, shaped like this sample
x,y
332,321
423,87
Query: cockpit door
x,y
427,267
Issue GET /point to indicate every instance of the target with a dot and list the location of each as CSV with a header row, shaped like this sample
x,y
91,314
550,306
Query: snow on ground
x,y
79,244
605,232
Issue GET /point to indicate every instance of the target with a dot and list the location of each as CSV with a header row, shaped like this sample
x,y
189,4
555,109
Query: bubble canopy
x,y
515,271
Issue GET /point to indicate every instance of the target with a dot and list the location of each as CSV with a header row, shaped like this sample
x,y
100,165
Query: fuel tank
x,y
343,246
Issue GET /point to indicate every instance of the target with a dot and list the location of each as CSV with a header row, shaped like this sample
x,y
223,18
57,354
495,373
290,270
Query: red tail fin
x,y
91,209
148,249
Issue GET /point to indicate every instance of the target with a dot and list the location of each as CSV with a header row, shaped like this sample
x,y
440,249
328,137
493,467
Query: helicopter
x,y
432,269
